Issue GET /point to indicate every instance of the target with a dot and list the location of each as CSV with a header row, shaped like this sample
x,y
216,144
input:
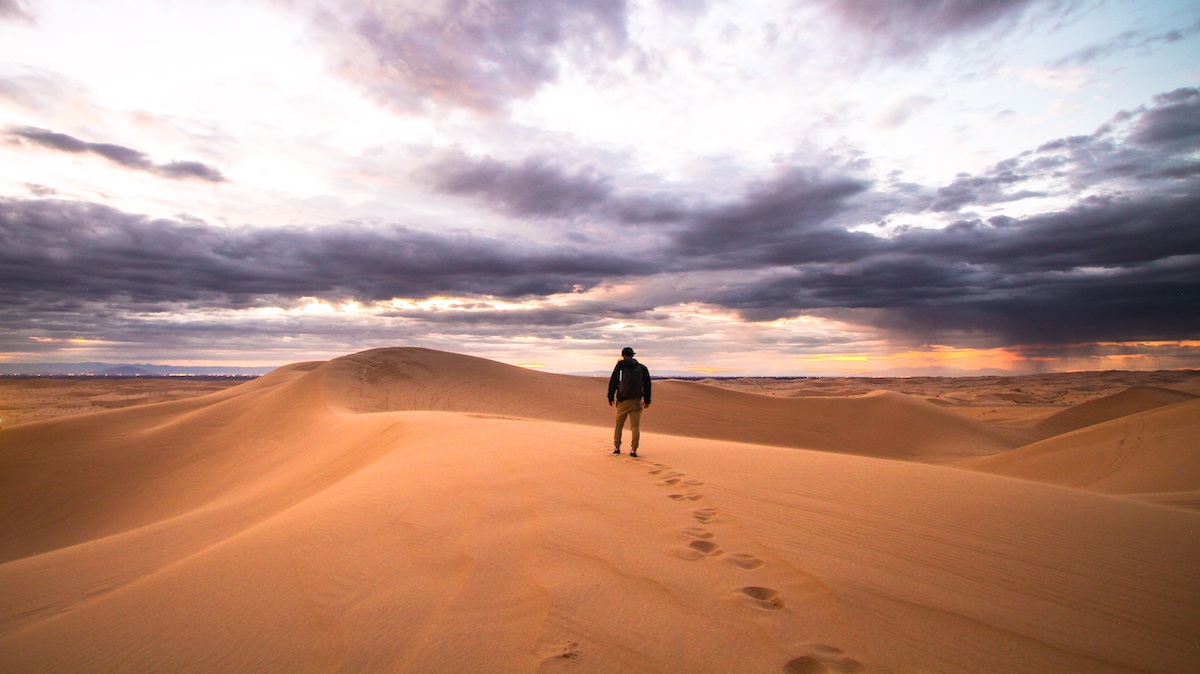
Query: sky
x,y
760,187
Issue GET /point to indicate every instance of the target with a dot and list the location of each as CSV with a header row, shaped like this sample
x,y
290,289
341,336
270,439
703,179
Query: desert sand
x,y
406,510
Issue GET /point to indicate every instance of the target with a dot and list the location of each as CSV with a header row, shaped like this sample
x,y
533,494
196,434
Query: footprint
x,y
693,483
656,471
744,561
697,532
561,652
763,598
696,550
667,483
823,659
685,497
568,651
705,515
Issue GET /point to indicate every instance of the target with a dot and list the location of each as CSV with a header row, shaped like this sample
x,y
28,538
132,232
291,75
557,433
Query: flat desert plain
x,y
406,510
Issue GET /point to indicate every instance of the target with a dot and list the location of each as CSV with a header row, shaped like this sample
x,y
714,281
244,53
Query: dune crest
x,y
884,424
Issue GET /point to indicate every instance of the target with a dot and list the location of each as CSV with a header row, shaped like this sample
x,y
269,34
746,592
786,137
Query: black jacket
x,y
615,379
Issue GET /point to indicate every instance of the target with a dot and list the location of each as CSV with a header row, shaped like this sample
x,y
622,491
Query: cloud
x,y
57,252
538,187
534,187
785,219
979,190
1103,269
13,9
909,28
40,91
118,154
1130,40
898,112
1172,120
1138,148
473,54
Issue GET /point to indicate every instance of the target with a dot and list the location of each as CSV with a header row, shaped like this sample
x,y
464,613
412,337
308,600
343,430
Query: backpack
x,y
631,386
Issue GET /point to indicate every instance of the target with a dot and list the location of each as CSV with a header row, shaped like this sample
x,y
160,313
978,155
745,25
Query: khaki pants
x,y
633,410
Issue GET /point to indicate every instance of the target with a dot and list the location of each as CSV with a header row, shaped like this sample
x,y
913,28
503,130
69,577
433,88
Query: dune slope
x,y
1130,401
281,526
1152,454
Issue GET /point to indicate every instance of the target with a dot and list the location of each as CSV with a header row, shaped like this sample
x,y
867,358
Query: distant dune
x,y
1155,453
406,510
1130,401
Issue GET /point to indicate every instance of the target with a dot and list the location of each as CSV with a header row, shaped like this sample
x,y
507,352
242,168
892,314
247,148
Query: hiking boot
x,y
633,454
617,450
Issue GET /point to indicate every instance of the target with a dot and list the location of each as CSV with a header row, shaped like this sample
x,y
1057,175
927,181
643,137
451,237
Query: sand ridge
x,y
412,511
879,424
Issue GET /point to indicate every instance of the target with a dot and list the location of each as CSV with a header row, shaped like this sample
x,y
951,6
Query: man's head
x,y
627,352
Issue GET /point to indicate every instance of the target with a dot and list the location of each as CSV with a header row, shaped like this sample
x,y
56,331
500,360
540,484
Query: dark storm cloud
x,y
1106,269
967,189
1173,119
117,154
473,53
1099,232
780,221
59,252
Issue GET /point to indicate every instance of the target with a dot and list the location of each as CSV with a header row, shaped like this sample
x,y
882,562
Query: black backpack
x,y
631,385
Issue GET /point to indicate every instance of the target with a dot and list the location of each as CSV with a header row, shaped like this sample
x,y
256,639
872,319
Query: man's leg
x,y
622,412
635,424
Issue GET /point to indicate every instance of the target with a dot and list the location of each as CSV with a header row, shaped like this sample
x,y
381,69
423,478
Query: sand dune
x,y
413,511
878,424
1153,453
1124,403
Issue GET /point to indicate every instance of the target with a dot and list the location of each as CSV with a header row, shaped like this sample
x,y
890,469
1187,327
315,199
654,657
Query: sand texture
x,y
406,510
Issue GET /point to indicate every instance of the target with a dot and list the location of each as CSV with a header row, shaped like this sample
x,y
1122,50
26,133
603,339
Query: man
x,y
629,392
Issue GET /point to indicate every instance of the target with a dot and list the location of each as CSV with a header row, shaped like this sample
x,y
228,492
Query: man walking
x,y
629,392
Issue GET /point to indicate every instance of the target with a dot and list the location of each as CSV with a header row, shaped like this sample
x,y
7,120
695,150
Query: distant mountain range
x,y
127,370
